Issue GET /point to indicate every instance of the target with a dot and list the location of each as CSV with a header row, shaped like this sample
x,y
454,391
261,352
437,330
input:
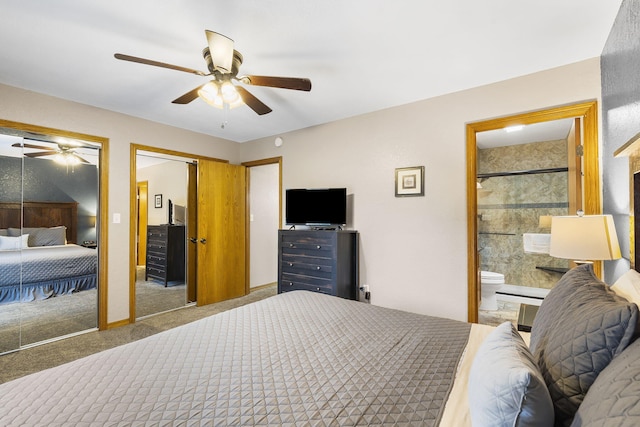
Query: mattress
x,y
298,358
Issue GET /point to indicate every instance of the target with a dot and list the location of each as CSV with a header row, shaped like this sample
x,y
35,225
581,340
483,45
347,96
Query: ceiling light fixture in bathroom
x,y
515,128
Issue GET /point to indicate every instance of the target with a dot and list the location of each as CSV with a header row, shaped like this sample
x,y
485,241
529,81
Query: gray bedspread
x,y
44,263
295,359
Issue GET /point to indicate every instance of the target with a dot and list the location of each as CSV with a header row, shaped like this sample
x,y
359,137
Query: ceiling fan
x,y
64,153
223,63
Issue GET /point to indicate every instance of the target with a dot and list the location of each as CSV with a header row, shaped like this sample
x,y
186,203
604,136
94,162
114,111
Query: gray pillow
x,y
505,385
42,236
580,327
48,236
4,232
614,398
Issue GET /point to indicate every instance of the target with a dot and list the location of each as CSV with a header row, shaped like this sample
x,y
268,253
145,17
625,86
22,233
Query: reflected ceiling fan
x,y
63,153
223,63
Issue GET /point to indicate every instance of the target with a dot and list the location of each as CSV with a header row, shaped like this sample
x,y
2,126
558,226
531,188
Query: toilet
x,y
490,282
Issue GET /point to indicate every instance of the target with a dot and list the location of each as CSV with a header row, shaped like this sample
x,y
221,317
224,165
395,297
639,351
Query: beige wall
x,y
29,107
169,179
413,250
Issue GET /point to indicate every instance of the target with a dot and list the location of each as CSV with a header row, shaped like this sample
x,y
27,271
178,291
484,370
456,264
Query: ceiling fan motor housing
x,y
235,67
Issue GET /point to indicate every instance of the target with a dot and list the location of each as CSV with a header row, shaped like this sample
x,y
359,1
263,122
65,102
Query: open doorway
x,y
588,197
265,218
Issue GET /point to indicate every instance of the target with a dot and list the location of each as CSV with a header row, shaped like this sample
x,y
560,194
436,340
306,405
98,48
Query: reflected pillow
x,y
505,386
10,243
42,236
628,286
48,236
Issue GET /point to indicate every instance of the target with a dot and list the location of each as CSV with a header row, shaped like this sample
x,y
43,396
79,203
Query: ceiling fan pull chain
x,y
225,115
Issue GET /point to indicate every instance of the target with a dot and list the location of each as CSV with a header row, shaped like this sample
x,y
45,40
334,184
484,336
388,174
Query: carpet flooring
x,y
36,321
26,361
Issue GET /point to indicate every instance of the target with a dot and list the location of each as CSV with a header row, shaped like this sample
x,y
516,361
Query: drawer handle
x,y
291,245
318,268
317,289
318,247
290,283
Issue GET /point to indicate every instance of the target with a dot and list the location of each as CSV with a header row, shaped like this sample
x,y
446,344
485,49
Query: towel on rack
x,y
536,243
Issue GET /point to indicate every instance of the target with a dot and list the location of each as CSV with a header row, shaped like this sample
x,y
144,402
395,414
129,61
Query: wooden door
x,y
221,231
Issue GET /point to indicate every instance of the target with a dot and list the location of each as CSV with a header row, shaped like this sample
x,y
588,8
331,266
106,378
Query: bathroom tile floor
x,y
507,311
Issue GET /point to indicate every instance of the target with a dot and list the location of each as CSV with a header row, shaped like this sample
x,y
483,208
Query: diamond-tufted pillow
x,y
506,388
614,398
580,327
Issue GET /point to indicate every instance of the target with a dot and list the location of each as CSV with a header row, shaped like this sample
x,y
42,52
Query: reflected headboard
x,y
41,214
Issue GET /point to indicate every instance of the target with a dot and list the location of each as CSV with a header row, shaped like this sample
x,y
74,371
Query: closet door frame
x,y
103,184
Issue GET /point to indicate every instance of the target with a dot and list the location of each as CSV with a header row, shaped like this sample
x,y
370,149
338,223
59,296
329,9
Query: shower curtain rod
x,y
523,172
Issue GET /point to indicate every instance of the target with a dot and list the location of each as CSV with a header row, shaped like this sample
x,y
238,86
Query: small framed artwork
x,y
410,181
158,200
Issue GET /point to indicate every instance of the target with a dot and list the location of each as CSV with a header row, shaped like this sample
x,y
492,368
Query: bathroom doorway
x,y
514,184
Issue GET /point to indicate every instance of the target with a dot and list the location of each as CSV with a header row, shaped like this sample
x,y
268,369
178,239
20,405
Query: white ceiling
x,y
361,55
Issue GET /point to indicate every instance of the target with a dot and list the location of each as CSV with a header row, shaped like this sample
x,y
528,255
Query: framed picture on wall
x,y
158,200
410,181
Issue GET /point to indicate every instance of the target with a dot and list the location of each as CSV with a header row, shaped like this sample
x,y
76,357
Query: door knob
x,y
203,240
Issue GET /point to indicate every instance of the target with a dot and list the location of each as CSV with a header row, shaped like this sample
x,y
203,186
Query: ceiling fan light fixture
x,y
210,93
229,93
67,159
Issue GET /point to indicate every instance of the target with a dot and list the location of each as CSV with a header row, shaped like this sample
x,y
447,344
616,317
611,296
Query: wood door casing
x,y
221,231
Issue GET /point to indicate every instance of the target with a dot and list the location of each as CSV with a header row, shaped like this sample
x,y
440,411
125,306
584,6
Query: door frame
x,y
249,165
133,152
592,204
103,197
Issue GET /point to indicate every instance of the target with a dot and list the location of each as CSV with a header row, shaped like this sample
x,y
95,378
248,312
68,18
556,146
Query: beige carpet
x,y
36,321
23,362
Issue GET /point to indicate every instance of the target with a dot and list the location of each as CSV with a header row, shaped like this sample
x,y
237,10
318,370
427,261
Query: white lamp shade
x,y
585,238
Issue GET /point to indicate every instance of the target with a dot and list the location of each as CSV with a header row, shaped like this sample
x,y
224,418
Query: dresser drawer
x,y
293,282
311,266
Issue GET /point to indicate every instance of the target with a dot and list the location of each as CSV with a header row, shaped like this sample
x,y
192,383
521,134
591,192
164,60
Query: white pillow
x,y
14,243
506,388
628,286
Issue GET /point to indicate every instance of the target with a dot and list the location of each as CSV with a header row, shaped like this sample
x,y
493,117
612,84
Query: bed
x,y
303,358
38,255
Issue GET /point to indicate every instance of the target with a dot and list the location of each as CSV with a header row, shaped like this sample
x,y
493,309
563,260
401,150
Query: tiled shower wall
x,y
509,206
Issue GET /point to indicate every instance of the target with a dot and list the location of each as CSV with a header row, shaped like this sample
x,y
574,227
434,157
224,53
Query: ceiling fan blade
x,y
254,103
221,51
294,83
157,64
41,153
79,158
187,97
39,147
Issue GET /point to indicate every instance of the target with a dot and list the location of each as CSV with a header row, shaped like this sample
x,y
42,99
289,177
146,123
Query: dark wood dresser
x,y
165,253
323,261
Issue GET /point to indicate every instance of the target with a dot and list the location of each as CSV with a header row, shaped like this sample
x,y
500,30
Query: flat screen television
x,y
321,206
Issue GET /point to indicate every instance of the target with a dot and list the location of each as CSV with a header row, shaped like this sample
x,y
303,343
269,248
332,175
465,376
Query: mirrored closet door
x,y
49,243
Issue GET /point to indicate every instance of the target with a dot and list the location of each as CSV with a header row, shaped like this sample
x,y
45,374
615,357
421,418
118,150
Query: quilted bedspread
x,y
294,359
41,264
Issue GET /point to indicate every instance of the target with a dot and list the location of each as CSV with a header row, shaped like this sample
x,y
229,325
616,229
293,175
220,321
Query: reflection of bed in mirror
x,y
47,262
